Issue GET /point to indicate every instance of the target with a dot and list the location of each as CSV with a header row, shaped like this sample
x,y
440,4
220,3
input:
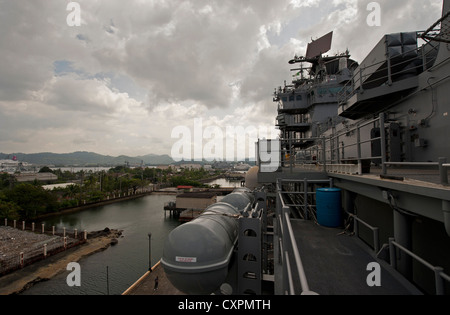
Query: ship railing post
x,y
277,225
376,240
443,171
358,148
305,197
383,143
290,155
392,255
438,280
324,153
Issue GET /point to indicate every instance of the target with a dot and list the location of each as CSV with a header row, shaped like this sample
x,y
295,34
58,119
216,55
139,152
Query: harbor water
x,y
118,267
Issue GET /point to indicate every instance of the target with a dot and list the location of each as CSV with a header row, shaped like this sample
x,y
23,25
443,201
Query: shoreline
x,y
22,279
92,205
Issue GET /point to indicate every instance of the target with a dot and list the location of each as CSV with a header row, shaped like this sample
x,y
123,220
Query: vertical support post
x,y
376,240
45,250
64,232
338,156
443,174
21,260
305,197
65,242
438,280
446,210
53,230
356,226
383,143
6,222
32,227
75,233
392,253
358,148
324,153
290,155
43,228
15,222
150,252
85,234
402,234
23,225
286,262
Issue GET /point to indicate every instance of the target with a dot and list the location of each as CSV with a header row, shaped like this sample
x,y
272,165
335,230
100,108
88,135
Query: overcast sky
x,y
134,70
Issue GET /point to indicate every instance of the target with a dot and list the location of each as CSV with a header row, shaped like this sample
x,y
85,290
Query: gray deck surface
x,y
336,264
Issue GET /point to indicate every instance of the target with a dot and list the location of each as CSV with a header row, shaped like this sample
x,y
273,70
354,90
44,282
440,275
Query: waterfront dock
x,y
146,284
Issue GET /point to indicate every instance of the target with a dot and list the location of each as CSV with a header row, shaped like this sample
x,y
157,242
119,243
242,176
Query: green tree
x,y
6,181
9,210
32,200
45,169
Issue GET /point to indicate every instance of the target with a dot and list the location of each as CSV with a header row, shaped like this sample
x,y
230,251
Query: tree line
x,y
24,201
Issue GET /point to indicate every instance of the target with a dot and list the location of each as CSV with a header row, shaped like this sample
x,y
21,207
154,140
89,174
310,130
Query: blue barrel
x,y
328,205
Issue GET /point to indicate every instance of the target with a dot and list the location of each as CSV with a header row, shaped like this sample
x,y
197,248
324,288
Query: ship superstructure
x,y
380,140
311,102
363,146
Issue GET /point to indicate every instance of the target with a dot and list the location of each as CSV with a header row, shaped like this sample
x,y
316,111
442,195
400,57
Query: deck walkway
x,y
336,264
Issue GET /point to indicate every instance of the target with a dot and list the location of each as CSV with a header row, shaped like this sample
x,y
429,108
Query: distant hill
x,y
87,159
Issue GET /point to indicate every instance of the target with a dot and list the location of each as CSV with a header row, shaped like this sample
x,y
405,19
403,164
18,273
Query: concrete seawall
x,y
20,280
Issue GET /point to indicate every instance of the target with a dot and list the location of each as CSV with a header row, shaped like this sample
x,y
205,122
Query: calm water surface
x,y
129,259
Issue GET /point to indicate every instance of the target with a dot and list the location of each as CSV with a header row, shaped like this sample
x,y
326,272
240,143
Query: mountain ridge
x,y
84,158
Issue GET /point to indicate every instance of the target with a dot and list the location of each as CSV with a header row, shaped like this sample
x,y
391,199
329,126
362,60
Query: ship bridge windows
x,y
294,102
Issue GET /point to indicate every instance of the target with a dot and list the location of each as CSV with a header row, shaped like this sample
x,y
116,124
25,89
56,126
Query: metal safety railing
x,y
289,255
288,244
24,244
439,274
331,154
375,231
388,70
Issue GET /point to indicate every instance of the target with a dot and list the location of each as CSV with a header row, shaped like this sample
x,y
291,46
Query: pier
x,y
187,211
146,284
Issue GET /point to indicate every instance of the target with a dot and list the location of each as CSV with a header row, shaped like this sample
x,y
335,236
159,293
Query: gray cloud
x,y
132,71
